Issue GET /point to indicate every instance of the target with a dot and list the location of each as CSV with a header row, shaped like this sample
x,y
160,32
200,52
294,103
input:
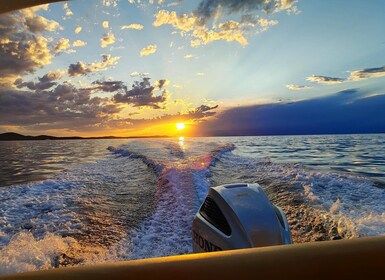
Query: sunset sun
x,y
180,126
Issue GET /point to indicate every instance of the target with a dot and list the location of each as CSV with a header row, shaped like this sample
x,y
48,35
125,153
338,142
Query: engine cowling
x,y
237,216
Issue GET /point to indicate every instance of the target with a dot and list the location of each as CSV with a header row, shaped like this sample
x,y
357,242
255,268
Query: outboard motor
x,y
238,216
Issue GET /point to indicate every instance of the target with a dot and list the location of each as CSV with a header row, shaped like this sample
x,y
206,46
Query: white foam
x,y
91,203
372,224
36,218
168,230
335,206
68,221
182,186
26,253
352,200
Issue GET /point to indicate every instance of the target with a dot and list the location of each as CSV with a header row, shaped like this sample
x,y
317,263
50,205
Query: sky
x,y
221,67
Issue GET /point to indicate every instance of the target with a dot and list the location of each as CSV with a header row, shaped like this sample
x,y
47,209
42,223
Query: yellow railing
x,y
12,5
362,258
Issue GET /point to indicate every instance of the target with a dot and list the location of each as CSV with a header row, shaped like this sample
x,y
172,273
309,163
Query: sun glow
x,y
180,126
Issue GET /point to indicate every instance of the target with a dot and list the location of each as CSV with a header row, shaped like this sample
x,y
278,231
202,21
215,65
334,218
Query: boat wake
x,y
140,200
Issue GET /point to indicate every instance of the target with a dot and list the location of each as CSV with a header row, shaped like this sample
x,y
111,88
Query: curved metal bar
x,y
362,258
8,6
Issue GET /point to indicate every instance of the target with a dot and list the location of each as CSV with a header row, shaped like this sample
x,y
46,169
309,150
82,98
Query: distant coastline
x,y
12,136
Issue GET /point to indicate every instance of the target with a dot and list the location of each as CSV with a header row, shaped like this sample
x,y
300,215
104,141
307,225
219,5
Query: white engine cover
x,y
238,216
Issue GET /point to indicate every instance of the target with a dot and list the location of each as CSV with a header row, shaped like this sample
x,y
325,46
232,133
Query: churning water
x,y
90,201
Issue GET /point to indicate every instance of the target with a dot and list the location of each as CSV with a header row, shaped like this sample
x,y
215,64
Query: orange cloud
x,y
79,43
107,39
81,68
135,26
150,49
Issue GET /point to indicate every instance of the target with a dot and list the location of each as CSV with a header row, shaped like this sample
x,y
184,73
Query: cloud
x,y
80,68
63,107
22,57
241,18
172,4
37,24
200,74
142,3
349,111
207,9
197,114
367,73
150,49
79,43
202,111
135,26
45,82
52,76
78,29
109,86
265,23
325,80
136,74
110,3
62,45
188,56
67,11
142,94
23,45
228,31
105,24
107,39
161,83
178,86
355,75
47,105
182,22
297,87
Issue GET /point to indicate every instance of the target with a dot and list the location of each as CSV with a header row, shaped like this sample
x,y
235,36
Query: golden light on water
x,y
180,126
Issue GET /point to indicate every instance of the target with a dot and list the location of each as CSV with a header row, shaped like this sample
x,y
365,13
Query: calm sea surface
x,y
75,202
26,161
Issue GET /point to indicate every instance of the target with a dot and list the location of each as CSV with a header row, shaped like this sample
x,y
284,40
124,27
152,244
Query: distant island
x,y
12,136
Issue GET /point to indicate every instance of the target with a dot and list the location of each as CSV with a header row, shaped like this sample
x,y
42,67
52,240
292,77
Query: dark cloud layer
x,y
208,8
64,106
23,48
143,94
45,104
350,111
109,86
202,111
367,73
80,68
325,80
198,114
161,83
45,82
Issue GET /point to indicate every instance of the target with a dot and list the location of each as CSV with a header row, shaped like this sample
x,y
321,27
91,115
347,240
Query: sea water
x,y
76,202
